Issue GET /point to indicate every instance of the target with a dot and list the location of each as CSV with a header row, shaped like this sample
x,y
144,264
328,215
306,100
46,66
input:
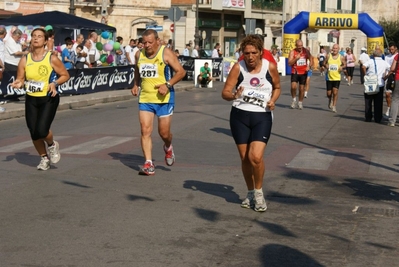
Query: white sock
x,y
294,99
258,190
168,148
150,161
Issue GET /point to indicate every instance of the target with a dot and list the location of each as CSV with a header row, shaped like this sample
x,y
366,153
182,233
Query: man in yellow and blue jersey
x,y
153,74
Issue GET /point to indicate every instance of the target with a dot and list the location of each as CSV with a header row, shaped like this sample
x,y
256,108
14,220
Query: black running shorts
x,y
247,126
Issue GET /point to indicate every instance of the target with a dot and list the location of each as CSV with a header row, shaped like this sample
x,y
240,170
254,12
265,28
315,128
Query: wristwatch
x,y
168,85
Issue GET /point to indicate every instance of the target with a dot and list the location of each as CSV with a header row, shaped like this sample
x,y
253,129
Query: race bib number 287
x,y
149,71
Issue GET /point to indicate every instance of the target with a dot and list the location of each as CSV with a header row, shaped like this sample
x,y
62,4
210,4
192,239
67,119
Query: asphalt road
x,y
330,185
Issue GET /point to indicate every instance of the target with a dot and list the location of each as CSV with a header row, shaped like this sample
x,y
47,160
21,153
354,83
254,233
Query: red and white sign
x,y
172,27
233,3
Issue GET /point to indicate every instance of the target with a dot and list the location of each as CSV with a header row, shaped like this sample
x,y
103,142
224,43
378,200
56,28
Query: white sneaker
x,y
387,113
2,110
54,152
44,164
391,124
293,104
248,202
300,106
260,202
330,104
306,94
334,109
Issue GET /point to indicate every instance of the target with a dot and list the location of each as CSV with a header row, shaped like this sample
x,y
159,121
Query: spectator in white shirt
x,y
363,58
216,51
13,51
195,54
186,51
379,67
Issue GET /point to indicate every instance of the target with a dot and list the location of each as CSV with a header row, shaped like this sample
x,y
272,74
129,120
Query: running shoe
x,y
306,94
2,109
54,152
147,169
330,104
260,202
44,164
248,202
387,113
391,124
169,155
300,106
334,109
293,104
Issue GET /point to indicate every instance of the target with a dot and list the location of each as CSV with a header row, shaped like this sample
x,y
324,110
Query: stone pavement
x,y
15,109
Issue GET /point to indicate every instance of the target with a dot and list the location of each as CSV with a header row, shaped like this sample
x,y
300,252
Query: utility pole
x,y
196,35
72,7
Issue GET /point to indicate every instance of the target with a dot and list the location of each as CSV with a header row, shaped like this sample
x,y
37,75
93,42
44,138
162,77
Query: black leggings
x,y
349,71
39,114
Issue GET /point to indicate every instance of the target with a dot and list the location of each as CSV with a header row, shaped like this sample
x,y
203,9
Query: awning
x,y
5,14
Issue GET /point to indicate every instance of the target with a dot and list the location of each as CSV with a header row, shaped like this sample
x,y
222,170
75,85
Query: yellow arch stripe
x,y
333,21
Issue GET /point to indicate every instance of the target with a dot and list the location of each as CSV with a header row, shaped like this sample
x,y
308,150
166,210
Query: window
x,y
323,6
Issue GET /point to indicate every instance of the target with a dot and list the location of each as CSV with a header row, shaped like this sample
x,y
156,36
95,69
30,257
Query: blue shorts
x,y
161,110
310,72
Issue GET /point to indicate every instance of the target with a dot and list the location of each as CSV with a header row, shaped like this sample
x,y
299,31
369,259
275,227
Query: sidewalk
x,y
15,109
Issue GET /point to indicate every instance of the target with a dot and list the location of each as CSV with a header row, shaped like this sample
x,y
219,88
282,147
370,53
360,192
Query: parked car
x,y
205,53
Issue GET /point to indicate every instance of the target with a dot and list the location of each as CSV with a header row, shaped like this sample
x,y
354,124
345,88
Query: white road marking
x,y
96,145
313,158
24,145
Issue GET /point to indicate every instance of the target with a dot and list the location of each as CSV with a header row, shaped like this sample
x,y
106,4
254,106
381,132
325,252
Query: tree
x,y
275,5
391,30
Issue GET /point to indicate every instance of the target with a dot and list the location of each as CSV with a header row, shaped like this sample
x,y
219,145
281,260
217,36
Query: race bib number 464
x,y
34,86
148,71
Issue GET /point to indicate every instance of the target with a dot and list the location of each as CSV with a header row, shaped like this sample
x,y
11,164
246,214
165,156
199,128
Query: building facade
x,y
217,21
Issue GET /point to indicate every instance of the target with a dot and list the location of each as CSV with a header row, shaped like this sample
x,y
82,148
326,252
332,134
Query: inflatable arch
x,y
304,20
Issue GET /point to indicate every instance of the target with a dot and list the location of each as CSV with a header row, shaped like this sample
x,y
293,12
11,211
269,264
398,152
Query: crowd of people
x,y
339,64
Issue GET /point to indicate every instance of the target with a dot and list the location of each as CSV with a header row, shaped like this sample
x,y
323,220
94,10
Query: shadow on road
x,y
219,190
371,190
275,255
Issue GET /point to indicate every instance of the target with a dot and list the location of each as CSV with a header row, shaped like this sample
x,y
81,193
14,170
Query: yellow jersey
x,y
333,68
38,75
154,71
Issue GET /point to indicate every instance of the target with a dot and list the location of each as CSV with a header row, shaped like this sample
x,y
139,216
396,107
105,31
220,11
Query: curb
x,y
73,102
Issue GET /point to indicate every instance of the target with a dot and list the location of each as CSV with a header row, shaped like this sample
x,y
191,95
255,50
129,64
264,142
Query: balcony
x,y
83,3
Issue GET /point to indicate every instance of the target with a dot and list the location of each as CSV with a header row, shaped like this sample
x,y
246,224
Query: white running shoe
x,y
248,202
44,164
54,152
387,113
334,109
2,109
260,202
169,155
300,105
293,104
